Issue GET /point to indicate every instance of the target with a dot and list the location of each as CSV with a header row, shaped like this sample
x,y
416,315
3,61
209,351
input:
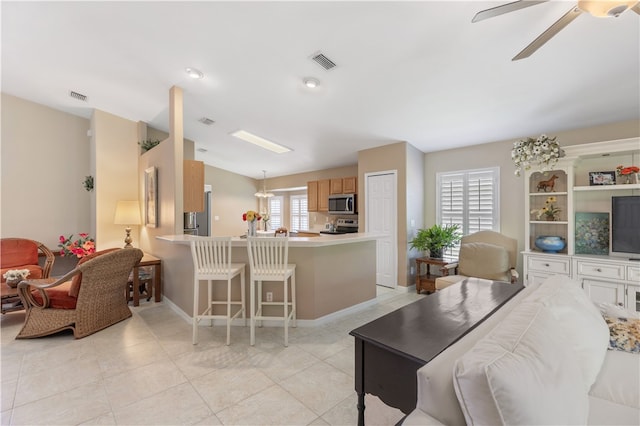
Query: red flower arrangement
x,y
624,171
79,248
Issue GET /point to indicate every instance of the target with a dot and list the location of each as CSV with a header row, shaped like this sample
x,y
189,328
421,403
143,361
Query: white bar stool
x,y
268,257
212,262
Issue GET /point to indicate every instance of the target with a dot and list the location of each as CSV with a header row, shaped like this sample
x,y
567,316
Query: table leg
x,y
359,378
136,287
360,408
156,282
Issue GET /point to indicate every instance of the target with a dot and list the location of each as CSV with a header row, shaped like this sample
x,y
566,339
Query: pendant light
x,y
264,193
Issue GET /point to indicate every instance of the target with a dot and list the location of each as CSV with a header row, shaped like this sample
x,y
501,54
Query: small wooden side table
x,y
148,260
10,299
427,281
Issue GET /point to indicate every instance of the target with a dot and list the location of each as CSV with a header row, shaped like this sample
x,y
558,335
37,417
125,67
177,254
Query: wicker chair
x,y
101,300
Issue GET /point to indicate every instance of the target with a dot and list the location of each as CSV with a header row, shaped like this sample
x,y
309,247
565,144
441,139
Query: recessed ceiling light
x,y
261,142
311,82
194,73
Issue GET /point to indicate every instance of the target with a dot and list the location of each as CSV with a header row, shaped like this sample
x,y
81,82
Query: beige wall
x,y
44,157
498,154
232,195
115,144
415,208
388,158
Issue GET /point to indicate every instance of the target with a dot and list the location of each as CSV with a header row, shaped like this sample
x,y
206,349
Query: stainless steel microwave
x,y
343,204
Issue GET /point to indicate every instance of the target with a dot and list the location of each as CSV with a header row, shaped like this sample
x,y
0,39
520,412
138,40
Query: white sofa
x,y
543,358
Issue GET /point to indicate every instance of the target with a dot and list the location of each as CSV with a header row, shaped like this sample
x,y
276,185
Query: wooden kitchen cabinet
x,y
336,186
350,185
312,196
193,186
324,186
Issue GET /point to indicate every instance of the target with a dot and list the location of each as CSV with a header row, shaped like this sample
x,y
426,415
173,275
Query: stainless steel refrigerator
x,y
199,223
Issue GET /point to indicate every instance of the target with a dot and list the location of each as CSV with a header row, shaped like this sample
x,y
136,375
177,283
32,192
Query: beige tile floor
x,y
146,371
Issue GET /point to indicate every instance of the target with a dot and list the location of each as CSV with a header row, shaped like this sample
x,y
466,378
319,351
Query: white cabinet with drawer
x,y
608,280
538,266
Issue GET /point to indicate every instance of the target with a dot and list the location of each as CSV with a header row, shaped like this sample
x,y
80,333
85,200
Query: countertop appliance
x,y
343,204
343,226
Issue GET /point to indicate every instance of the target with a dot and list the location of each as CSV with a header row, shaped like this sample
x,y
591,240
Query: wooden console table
x,y
390,349
427,281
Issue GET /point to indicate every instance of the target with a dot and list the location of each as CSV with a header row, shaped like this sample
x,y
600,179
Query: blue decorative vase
x,y
550,243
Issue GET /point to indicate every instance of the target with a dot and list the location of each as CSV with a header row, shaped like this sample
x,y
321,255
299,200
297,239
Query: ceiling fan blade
x,y
636,8
550,32
505,8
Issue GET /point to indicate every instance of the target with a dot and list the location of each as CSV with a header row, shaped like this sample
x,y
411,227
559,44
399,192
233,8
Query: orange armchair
x,y
21,253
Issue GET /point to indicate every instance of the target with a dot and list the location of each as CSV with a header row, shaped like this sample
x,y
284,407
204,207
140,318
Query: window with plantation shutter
x,y
299,214
469,198
275,212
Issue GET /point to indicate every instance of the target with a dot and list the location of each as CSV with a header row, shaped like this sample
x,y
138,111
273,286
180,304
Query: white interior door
x,y
381,217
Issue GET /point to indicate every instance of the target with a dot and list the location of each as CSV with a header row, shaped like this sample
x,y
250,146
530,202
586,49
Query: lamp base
x,y
128,240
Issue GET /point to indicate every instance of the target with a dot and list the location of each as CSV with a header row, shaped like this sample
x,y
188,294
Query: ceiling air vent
x,y
207,121
323,61
78,96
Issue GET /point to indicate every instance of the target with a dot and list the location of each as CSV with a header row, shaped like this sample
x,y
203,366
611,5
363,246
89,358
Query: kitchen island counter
x,y
333,272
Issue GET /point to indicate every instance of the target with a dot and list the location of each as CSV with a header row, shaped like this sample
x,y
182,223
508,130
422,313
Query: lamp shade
x,y
127,213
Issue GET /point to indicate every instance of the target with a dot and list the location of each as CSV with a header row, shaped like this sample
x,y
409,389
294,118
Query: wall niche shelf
x,y
607,187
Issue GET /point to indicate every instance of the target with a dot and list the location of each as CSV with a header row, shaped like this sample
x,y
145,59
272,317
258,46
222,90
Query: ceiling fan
x,y
600,9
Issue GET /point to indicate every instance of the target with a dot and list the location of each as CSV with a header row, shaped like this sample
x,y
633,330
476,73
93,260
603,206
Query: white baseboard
x,y
277,323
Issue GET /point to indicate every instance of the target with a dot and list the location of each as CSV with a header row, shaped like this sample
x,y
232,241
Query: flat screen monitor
x,y
625,226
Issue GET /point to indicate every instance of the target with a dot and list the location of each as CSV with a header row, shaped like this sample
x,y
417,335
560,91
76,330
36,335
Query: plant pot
x,y
435,254
14,283
550,243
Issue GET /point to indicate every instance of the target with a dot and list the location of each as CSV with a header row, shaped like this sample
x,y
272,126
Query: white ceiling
x,y
419,72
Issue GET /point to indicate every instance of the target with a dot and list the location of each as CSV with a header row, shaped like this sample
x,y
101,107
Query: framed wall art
x,y
602,178
592,233
151,197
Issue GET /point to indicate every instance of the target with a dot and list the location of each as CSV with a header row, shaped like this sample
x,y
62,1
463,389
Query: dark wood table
x,y
390,349
427,281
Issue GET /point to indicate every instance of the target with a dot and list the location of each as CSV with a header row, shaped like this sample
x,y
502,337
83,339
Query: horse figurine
x,y
547,183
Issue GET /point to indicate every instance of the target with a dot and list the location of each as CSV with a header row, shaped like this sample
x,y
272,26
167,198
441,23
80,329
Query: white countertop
x,y
321,241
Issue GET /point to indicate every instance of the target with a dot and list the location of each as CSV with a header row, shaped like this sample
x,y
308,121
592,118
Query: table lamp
x,y
127,213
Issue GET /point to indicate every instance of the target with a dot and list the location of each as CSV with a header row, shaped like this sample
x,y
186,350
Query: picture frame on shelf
x,y
602,178
592,233
151,197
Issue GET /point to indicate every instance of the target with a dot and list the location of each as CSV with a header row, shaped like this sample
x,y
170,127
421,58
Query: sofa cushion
x,y
578,319
522,373
74,290
17,252
484,260
58,296
614,382
624,334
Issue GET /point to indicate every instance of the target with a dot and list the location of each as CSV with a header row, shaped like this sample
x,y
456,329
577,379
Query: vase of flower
x,y
251,228
627,175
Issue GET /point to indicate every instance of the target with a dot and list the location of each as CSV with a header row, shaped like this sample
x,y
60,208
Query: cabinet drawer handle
x,y
546,265
598,270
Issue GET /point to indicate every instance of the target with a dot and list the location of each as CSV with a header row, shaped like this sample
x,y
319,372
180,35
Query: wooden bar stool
x,y
212,262
268,257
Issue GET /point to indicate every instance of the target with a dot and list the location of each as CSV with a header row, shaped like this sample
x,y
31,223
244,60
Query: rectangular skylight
x,y
261,142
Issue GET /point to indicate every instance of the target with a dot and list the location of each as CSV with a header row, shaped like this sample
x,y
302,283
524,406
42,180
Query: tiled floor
x,y
146,371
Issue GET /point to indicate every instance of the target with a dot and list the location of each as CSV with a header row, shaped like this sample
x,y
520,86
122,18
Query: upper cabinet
x,y
336,186
324,187
312,196
318,191
350,185
193,186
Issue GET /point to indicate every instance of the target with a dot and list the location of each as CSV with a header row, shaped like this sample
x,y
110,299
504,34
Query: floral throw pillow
x,y
624,334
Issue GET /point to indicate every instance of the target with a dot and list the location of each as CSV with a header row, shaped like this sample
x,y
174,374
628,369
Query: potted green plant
x,y
436,239
148,144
